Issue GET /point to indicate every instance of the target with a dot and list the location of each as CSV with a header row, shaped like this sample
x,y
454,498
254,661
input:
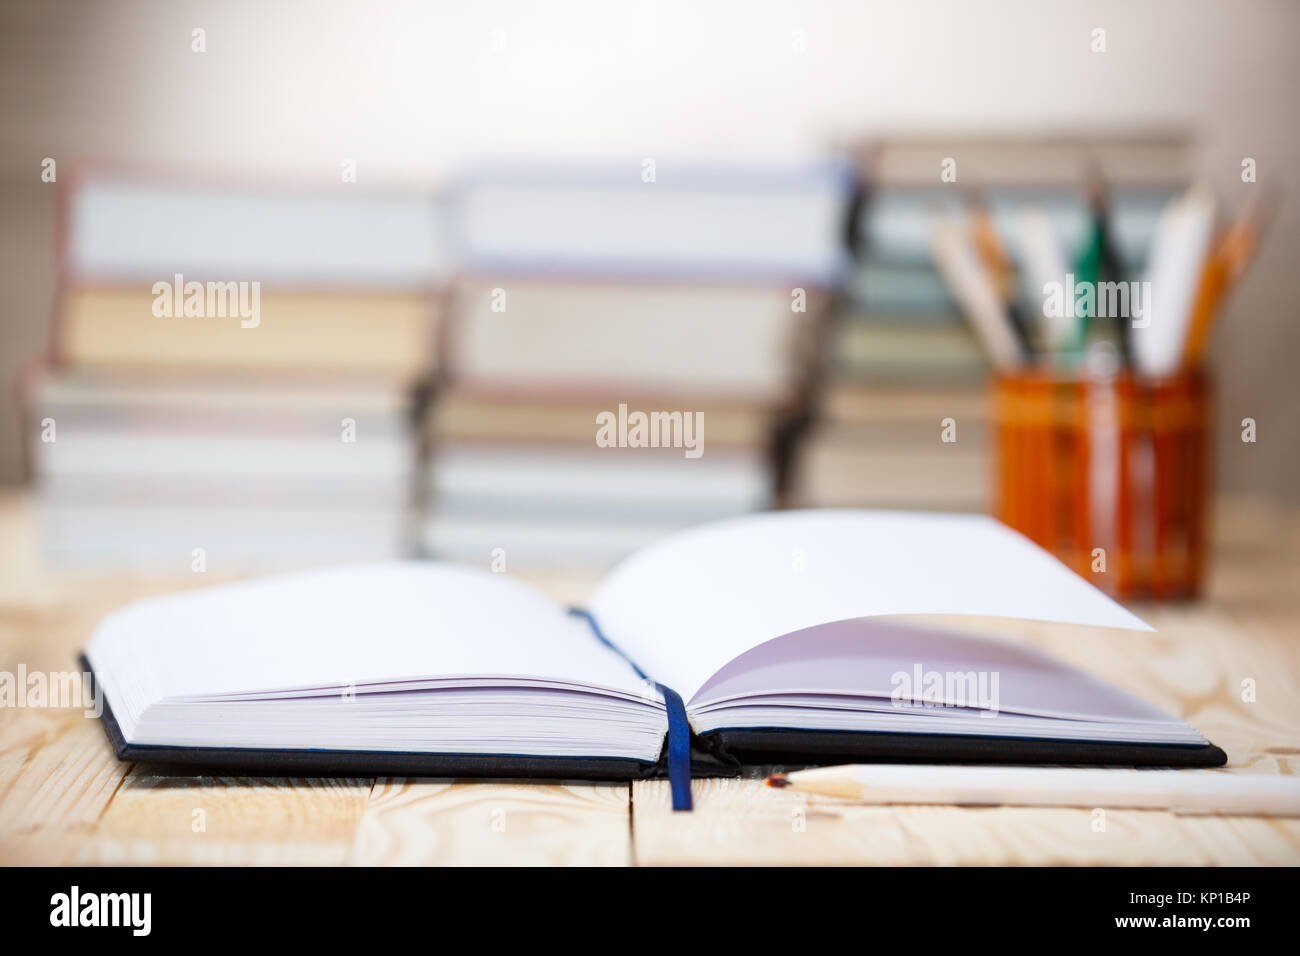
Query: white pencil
x,y
1182,791
960,266
1044,262
1178,251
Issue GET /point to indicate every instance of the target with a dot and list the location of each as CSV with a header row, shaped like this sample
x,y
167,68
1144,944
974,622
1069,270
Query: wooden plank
x,y
57,771
519,823
57,776
1017,836
168,820
744,822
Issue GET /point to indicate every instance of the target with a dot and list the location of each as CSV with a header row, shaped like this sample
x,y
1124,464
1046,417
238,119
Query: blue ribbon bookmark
x,y
679,728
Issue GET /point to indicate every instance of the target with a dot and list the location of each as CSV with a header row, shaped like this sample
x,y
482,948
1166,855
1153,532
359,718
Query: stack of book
x,y
897,446
231,374
902,359
626,356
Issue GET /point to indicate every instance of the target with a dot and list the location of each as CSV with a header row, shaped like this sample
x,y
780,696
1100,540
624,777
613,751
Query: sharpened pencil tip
x,y
778,780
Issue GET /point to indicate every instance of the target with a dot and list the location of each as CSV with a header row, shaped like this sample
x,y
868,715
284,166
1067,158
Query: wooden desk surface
x,y
64,797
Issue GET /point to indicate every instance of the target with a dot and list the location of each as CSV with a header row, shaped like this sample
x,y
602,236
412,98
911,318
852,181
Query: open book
x,y
766,634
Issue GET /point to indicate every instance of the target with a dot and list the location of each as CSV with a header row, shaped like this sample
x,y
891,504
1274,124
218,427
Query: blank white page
x,y
355,624
687,605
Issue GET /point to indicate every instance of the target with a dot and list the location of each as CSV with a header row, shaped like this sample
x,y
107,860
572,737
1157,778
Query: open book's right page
x,y
886,675
687,606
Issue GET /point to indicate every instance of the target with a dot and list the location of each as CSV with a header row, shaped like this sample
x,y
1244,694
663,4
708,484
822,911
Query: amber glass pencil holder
x,y
1110,474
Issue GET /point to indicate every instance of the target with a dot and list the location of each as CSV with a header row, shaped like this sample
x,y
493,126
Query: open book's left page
x,y
403,656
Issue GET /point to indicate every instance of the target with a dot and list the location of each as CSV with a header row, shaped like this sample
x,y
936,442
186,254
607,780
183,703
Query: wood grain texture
x,y
164,820
423,822
58,775
745,823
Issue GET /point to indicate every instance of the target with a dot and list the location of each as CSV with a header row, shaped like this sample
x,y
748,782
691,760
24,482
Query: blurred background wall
x,y
416,91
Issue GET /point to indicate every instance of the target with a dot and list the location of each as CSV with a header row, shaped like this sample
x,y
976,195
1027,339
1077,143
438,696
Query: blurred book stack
x,y
693,299
901,358
230,381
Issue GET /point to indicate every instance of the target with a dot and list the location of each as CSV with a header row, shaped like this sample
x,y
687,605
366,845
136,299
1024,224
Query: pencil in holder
x,y
1109,473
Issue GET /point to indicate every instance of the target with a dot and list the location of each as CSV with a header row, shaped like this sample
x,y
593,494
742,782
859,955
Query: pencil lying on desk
x,y
1182,791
